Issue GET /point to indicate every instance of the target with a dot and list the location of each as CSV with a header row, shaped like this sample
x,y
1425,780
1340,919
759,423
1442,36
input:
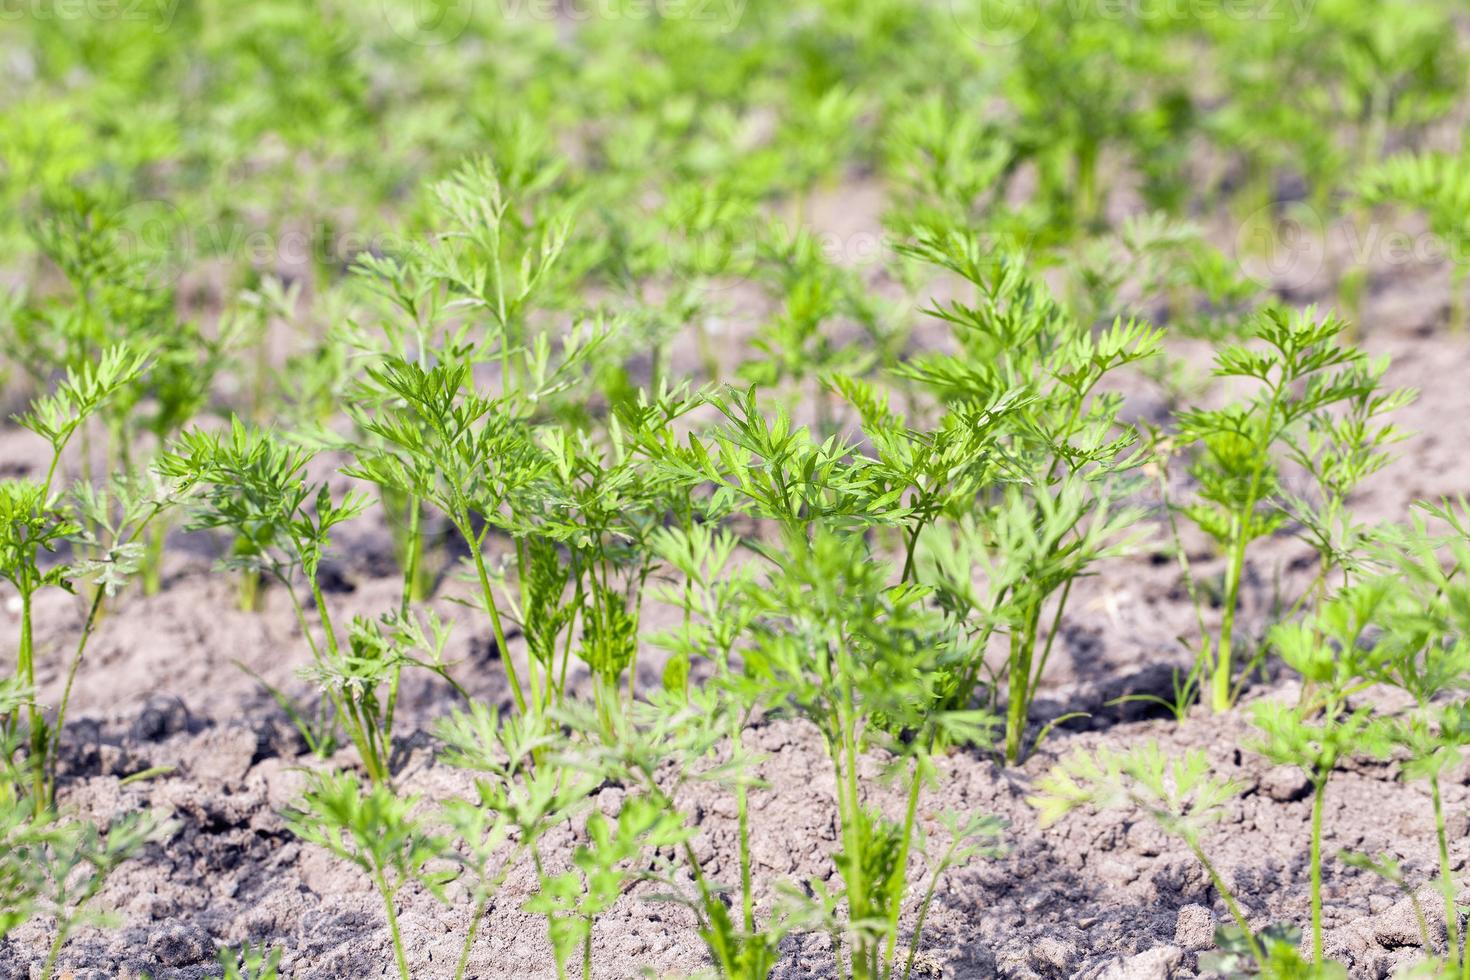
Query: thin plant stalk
x,y
851,812
93,613
387,895
1230,903
477,555
747,892
48,969
153,559
469,939
27,666
901,864
362,733
924,904
413,589
1319,795
1022,649
1222,683
1451,916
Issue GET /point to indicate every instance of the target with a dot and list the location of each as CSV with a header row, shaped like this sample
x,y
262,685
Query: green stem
x,y
1318,796
1234,908
387,896
413,589
910,547
566,654
71,676
918,934
364,738
490,607
469,939
725,958
1018,688
301,623
1221,683
1451,917
742,823
249,590
852,826
325,616
1241,524
900,867
1056,625
55,951
26,662
153,559
536,696
392,706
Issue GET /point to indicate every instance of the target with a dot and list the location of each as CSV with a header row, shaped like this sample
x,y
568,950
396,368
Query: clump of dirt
x,y
1095,896
1101,897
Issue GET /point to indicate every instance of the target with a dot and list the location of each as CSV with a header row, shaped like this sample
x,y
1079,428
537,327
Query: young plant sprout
x,y
1330,652
516,801
1438,186
1064,460
482,463
1421,628
1183,799
376,831
251,962
120,520
35,522
1312,402
602,868
256,488
865,662
687,729
809,369
54,867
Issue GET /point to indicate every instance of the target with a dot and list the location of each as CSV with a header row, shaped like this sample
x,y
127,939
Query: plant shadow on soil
x,y
1080,899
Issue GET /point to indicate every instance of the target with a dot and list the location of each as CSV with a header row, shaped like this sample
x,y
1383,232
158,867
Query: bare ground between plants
x,y
1092,897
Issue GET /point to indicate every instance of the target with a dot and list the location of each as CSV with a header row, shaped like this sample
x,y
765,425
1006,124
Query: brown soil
x,y
1095,896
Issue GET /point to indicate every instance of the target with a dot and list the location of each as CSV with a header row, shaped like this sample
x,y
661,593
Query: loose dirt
x,y
1103,896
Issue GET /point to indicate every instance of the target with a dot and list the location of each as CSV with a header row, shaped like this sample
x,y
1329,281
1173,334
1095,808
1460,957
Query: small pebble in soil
x,y
225,755
180,944
1194,929
1052,955
1401,926
1285,784
1160,963
160,718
